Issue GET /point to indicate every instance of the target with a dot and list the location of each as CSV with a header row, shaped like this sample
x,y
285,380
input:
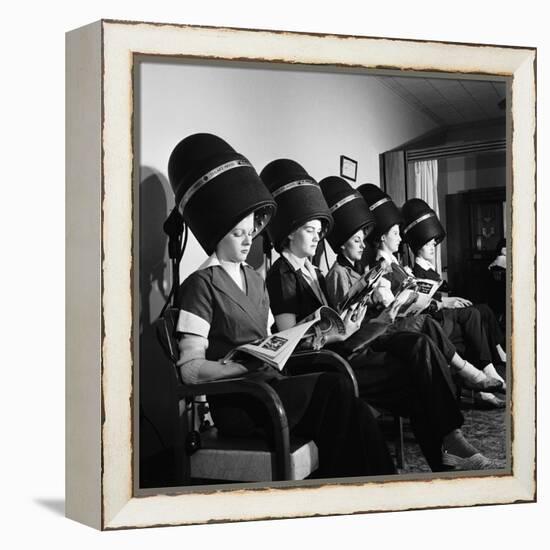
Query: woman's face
x,y
427,252
391,239
303,242
235,246
353,248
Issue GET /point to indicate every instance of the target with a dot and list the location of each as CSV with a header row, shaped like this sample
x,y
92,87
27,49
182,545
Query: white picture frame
x,y
100,258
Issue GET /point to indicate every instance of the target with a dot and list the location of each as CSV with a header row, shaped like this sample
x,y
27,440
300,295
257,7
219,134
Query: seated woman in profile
x,y
225,304
459,317
499,263
412,381
386,239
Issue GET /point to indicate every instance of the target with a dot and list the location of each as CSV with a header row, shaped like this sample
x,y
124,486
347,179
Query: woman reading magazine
x,y
224,304
416,386
477,325
386,238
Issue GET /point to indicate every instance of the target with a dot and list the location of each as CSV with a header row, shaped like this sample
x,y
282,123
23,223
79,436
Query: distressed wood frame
x,y
99,218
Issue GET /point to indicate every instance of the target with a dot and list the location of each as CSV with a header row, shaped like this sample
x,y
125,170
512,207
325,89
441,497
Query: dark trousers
x,y
409,376
492,329
423,324
465,330
322,407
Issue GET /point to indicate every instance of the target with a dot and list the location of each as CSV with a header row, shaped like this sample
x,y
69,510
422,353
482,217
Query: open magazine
x,y
277,348
360,291
414,296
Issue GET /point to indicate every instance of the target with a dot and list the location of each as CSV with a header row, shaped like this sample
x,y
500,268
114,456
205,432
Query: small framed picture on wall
x,y
348,168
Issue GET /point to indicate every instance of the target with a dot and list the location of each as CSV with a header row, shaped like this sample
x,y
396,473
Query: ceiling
x,y
450,101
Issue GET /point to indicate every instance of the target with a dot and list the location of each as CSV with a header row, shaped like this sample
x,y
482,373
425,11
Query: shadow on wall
x,y
156,400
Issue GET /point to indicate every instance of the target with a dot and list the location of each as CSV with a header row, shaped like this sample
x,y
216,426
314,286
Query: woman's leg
x,y
413,381
470,376
469,324
418,386
495,337
348,437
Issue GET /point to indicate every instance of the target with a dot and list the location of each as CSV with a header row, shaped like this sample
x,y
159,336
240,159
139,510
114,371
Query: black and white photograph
x,y
300,274
251,218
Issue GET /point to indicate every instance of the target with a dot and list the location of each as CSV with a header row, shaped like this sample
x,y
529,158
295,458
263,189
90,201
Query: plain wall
x,y
310,117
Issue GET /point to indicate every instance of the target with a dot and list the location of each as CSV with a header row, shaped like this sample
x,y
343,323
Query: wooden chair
x,y
237,459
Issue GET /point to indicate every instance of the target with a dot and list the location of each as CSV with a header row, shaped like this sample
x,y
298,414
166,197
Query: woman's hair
x,y
324,228
261,217
375,239
415,248
500,245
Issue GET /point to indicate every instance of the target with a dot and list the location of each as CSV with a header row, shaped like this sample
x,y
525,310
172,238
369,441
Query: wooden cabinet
x,y
475,224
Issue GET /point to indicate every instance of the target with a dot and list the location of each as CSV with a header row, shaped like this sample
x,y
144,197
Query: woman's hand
x,y
453,302
389,314
232,369
382,294
352,321
353,318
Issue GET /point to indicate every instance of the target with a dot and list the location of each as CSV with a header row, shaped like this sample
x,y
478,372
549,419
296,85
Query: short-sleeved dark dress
x,y
320,406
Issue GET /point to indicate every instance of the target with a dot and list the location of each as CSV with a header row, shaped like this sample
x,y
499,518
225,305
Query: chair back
x,y
166,333
165,327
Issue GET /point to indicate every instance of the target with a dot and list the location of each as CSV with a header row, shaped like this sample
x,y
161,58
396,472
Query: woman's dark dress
x,y
320,406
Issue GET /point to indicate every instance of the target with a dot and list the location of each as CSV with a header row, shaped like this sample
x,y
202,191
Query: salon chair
x,y
211,456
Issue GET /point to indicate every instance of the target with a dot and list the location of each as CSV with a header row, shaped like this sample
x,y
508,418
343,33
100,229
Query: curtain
x,y
425,188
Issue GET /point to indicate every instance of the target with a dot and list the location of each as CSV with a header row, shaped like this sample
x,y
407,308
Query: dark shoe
x,y
486,400
474,462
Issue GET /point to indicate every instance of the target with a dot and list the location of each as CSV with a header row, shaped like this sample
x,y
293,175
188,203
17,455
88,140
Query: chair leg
x,y
182,462
399,442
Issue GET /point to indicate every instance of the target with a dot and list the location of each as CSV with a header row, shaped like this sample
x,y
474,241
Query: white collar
x,y
424,264
388,256
213,261
297,263
499,261
301,264
309,272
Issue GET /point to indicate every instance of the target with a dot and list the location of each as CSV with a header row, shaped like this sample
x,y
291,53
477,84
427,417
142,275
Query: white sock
x,y
501,353
490,370
469,371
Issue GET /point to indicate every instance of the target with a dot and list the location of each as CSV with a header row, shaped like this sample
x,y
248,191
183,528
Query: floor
x,y
485,429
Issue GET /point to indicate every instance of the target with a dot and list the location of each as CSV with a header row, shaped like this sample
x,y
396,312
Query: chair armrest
x,y
258,389
270,400
321,361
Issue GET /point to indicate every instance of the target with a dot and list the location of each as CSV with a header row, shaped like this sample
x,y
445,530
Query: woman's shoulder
x,y
280,267
336,271
254,275
199,276
197,282
281,282
419,271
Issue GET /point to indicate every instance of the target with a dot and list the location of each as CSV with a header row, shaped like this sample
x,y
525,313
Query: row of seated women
x,y
402,366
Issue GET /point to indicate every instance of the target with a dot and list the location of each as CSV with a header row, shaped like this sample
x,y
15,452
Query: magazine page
x,y
416,298
330,323
364,286
277,348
